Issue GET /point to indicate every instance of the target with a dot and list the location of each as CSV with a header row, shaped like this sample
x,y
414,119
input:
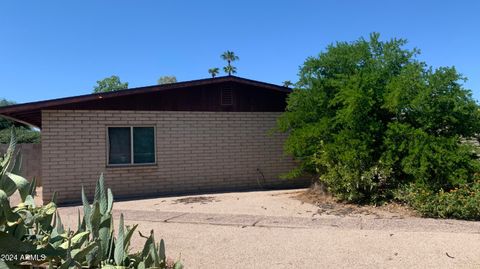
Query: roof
x,y
30,113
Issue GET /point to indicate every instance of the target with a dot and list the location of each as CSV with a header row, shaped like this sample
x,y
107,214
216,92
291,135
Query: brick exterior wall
x,y
195,152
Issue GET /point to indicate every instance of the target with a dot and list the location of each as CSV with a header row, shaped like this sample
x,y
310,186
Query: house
x,y
195,136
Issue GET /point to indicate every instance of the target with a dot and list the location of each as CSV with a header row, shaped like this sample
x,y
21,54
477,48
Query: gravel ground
x,y
271,229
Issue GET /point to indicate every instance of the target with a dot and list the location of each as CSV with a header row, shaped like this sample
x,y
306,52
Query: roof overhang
x,y
30,113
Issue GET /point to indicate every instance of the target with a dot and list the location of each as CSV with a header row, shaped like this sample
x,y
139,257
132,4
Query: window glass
x,y
143,145
119,145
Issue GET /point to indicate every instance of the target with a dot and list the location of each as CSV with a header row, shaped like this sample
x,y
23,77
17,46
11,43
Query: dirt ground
x,y
295,229
327,205
302,202
294,203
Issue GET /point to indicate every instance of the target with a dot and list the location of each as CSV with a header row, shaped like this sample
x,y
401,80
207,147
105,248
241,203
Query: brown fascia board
x,y
139,90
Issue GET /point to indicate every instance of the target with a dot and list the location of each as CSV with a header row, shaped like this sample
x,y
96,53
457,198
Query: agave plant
x,y
114,251
97,221
24,228
38,230
10,181
16,222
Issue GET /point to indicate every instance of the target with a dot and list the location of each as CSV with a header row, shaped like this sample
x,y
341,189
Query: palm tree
x,y
287,83
230,57
214,71
230,69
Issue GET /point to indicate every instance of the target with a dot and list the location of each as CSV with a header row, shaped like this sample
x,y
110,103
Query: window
x,y
131,145
226,97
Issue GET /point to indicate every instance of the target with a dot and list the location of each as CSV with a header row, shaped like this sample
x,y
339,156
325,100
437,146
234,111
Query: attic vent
x,y
227,97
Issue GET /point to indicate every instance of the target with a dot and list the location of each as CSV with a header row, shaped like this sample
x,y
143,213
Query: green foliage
x,y
440,162
25,228
30,229
5,123
229,69
24,135
110,84
5,102
367,117
230,57
458,203
10,181
287,83
97,222
167,80
214,71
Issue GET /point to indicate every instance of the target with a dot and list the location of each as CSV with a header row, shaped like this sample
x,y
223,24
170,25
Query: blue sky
x,y
51,49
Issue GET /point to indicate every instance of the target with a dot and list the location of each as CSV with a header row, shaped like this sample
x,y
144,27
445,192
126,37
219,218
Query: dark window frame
x,y
132,157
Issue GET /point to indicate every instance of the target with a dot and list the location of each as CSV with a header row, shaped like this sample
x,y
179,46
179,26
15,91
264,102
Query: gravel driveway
x,y
271,229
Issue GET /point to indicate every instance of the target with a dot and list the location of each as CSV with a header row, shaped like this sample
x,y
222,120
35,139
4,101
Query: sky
x,y
51,49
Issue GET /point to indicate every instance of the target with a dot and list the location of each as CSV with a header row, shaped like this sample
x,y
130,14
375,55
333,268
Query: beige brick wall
x,y
196,151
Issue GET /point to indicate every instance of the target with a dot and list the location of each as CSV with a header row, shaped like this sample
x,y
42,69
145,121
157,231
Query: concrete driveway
x,y
271,229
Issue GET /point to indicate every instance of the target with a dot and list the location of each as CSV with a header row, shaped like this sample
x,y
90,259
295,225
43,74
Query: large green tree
x,y
110,84
368,117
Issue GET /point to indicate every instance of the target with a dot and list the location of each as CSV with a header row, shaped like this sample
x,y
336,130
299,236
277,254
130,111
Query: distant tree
x,y
230,57
167,80
4,123
229,69
287,83
110,84
24,133
214,71
5,102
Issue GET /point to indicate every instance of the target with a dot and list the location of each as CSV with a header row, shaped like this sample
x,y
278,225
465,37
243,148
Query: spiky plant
x,y
38,230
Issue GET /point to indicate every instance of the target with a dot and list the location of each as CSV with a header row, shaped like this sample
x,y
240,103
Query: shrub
x,y
367,118
460,203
